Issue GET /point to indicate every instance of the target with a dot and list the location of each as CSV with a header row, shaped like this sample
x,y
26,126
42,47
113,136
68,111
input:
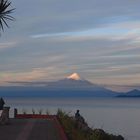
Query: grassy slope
x,y
74,132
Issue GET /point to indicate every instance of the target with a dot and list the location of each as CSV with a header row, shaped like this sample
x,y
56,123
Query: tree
x,y
5,12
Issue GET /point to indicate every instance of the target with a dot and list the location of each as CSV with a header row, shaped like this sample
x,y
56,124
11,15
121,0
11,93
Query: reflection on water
x,y
115,115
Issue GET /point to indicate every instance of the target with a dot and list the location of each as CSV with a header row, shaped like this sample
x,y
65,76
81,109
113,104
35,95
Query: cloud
x,y
122,88
51,16
6,45
22,76
122,31
36,74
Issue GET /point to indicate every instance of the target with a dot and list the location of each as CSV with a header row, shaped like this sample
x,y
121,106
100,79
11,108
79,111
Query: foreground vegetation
x,y
76,130
5,12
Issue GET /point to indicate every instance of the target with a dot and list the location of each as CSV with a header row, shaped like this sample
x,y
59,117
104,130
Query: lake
x,y
114,115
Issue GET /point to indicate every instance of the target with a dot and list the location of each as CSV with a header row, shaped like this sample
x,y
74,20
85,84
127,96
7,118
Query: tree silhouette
x,y
5,12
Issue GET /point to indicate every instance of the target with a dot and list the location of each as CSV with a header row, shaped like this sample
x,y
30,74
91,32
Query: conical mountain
x,y
71,86
77,86
73,81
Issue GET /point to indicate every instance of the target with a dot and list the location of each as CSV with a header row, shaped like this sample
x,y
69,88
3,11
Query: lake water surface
x,y
114,115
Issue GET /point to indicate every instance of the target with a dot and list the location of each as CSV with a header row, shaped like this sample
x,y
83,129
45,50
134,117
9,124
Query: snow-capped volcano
x,y
71,86
75,82
74,76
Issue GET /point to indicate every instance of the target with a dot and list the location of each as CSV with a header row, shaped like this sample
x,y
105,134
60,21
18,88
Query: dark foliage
x,y
77,130
5,12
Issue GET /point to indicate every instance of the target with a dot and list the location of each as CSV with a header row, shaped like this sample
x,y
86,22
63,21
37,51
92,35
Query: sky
x,y
50,39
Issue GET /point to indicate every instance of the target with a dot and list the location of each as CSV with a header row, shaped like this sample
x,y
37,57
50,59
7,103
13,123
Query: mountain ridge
x,y
71,86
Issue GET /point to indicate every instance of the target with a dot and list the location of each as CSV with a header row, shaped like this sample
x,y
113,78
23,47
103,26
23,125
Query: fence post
x,y
15,112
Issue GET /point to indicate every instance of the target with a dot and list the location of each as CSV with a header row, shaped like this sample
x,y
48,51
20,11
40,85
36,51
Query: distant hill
x,y
132,93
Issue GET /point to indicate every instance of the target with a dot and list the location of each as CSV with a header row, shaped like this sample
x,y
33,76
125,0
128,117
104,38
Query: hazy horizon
x,y
74,76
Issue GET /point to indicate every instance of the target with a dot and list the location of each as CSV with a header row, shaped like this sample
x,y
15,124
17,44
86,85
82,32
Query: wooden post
x,y
15,112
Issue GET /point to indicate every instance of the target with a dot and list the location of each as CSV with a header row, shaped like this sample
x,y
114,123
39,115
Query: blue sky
x,y
50,39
